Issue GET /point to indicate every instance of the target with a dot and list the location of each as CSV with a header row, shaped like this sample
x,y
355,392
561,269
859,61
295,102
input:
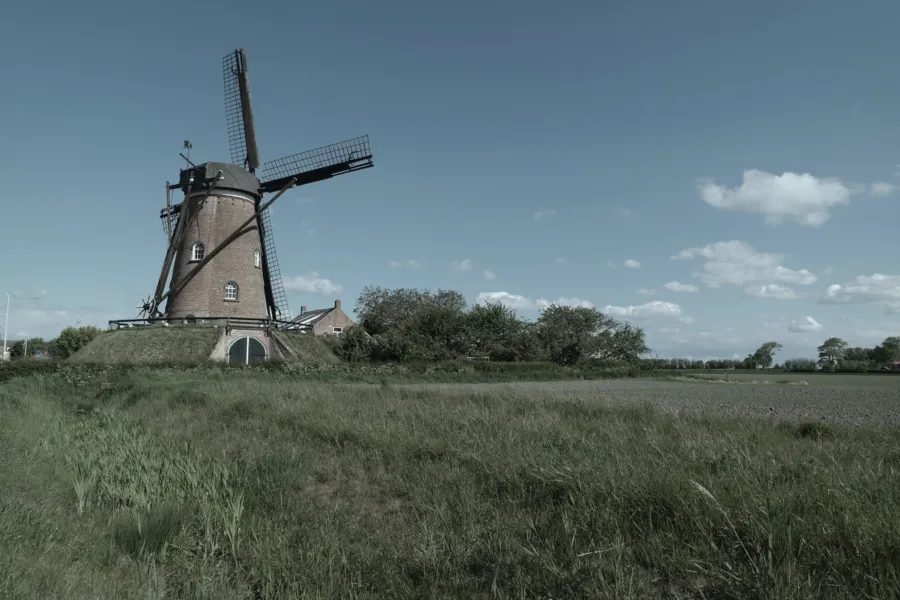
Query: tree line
x,y
834,355
422,326
413,325
69,341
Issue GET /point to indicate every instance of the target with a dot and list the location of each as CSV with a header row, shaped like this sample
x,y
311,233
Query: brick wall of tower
x,y
204,294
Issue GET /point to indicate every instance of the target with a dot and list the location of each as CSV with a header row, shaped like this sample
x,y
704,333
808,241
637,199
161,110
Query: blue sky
x,y
544,144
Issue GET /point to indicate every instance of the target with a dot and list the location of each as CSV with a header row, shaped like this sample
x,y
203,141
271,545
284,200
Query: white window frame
x,y
232,284
198,246
337,330
257,259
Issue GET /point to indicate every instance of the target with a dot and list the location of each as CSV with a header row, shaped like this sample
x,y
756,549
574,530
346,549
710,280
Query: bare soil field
x,y
853,400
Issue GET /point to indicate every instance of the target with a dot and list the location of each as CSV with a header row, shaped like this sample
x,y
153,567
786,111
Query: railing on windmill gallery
x,y
228,323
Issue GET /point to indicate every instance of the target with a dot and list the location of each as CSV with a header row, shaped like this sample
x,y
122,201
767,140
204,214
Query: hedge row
x,y
476,370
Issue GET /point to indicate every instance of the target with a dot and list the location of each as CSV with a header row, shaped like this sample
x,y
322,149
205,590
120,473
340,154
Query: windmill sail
x,y
174,211
319,164
239,111
275,294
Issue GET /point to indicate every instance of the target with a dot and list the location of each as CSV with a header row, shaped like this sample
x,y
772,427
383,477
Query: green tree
x,y
17,350
53,348
750,362
800,365
765,354
494,330
832,350
624,341
72,339
572,334
858,354
380,310
888,351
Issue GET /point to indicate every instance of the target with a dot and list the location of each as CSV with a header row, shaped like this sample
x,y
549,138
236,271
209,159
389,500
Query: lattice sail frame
x,y
234,119
273,270
320,163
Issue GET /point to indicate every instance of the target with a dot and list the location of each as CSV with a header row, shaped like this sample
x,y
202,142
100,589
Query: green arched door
x,y
246,350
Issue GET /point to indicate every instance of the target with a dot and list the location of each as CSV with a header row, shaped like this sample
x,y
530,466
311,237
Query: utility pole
x,y
5,327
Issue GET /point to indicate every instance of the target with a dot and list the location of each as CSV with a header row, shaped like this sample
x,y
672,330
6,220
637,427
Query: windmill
x,y
221,251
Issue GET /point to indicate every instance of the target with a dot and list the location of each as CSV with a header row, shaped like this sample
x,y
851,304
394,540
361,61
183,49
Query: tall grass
x,y
179,485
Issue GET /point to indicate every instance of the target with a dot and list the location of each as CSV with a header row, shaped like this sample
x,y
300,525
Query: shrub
x,y
72,339
353,345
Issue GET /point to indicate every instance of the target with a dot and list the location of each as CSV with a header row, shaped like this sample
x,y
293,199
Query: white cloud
x,y
560,260
312,284
47,323
677,287
543,214
29,294
647,292
511,300
654,308
632,264
411,264
541,303
626,212
461,265
882,189
490,275
522,303
883,290
772,290
801,196
806,326
611,264
737,263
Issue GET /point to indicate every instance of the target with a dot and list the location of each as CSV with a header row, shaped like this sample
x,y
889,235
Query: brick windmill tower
x,y
221,252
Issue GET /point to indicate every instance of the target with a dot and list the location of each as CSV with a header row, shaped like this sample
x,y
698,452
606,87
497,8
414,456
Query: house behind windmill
x,y
324,321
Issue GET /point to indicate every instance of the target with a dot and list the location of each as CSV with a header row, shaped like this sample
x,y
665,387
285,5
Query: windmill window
x,y
337,330
231,291
198,251
256,259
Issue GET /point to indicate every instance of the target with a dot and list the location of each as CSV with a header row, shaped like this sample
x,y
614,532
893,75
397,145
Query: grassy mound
x,y
147,345
306,348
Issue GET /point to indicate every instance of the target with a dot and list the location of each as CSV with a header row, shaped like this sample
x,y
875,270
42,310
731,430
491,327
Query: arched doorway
x,y
245,351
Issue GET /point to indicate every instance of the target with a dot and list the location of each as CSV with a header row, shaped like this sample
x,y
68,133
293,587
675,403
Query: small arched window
x,y
198,251
256,259
231,291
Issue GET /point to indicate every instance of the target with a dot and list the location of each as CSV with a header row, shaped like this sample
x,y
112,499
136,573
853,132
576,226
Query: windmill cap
x,y
232,177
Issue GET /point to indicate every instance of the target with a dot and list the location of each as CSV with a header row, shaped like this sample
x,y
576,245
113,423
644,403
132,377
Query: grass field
x,y
252,486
